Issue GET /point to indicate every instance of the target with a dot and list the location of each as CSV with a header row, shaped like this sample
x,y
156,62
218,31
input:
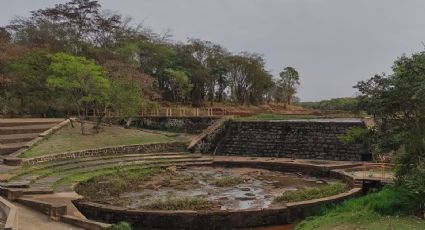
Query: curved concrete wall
x,y
292,212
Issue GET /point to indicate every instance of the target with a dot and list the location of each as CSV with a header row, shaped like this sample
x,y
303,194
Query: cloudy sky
x,y
332,43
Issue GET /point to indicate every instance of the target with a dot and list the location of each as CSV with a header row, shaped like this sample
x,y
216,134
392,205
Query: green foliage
x,y
392,200
287,85
130,58
410,161
126,98
121,226
80,81
397,102
179,84
29,93
312,193
354,135
344,103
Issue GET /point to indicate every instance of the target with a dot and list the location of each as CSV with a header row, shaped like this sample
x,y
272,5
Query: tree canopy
x,y
397,103
126,55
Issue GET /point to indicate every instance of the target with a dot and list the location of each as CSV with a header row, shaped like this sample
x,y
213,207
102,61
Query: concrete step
x,y
69,165
15,138
28,121
54,164
122,161
6,149
24,129
47,182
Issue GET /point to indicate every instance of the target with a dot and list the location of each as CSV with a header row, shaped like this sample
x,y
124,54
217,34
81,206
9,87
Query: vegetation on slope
x,y
70,139
387,209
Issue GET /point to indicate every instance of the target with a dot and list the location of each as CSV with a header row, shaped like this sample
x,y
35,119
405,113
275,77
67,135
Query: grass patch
x,y
121,226
180,203
228,181
70,139
273,116
312,193
110,183
387,209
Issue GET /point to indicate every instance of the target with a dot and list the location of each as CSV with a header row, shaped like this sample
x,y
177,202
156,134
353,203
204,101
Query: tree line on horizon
x,y
75,57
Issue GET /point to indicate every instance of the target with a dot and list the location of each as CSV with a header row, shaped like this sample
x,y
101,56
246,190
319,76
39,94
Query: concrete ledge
x,y
14,193
13,161
58,212
10,211
54,211
85,224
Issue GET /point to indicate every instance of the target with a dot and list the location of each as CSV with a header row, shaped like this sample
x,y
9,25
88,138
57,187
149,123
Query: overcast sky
x,y
332,43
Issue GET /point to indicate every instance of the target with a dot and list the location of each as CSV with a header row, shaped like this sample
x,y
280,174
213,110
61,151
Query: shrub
x,y
354,135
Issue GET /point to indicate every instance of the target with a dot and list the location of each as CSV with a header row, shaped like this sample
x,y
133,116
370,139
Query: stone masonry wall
x,y
305,139
114,150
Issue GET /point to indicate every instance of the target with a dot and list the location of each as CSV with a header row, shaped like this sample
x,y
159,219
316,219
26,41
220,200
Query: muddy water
x,y
257,188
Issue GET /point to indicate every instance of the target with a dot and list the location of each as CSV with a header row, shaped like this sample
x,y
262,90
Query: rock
x,y
245,189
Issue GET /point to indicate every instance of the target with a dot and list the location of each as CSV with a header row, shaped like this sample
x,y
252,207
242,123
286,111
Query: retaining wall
x,y
115,150
303,139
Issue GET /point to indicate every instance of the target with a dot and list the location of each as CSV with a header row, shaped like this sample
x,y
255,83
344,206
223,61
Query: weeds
x,y
180,203
312,193
228,181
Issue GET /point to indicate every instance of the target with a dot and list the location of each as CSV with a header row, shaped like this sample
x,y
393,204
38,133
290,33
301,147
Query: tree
x,y
179,84
81,82
213,58
248,80
126,98
28,76
397,103
288,83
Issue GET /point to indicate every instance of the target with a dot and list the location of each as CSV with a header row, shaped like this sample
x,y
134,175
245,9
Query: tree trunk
x,y
99,120
82,121
128,122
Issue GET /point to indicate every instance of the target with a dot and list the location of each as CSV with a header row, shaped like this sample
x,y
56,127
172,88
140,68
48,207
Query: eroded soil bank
x,y
196,188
